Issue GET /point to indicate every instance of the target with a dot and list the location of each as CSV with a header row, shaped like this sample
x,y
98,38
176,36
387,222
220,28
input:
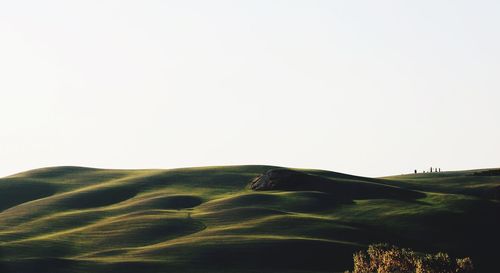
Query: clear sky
x,y
366,87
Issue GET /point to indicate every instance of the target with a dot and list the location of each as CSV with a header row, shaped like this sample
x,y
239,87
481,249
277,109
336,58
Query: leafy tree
x,y
383,258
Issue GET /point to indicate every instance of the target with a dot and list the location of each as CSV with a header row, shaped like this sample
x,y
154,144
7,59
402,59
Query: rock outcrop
x,y
283,179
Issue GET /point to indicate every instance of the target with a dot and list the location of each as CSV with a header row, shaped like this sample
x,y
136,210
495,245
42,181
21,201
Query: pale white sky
x,y
364,87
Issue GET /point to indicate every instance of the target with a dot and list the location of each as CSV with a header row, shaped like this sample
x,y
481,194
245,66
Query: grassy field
x,y
73,219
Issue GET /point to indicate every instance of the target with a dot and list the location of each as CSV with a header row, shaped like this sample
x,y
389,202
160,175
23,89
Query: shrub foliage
x,y
383,258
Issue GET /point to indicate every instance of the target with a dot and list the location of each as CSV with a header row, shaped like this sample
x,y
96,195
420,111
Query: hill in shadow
x,y
342,189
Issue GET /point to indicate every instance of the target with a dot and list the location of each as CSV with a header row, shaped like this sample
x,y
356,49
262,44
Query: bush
x,y
382,258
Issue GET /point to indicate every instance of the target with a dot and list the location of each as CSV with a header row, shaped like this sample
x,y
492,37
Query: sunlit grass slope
x,y
73,219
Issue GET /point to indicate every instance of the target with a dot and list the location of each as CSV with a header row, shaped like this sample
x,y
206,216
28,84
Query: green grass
x,y
73,219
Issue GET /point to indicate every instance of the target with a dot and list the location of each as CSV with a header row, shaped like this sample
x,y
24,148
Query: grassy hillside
x,y
73,219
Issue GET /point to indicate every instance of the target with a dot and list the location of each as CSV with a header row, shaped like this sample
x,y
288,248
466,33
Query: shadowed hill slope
x,y
340,188
74,219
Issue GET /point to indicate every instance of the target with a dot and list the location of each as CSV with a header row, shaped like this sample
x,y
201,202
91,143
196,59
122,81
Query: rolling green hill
x,y
74,219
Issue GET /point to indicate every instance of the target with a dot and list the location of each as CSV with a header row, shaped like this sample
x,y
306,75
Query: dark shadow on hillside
x,y
473,233
495,172
98,197
38,265
282,255
15,191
